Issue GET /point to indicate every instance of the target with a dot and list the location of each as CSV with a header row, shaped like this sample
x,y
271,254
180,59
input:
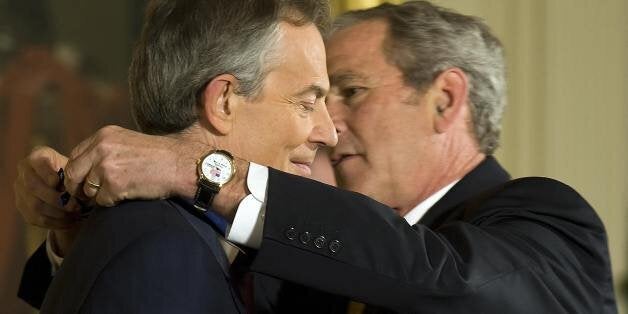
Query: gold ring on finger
x,y
96,186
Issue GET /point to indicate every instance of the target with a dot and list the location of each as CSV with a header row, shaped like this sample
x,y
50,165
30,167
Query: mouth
x,y
338,159
304,168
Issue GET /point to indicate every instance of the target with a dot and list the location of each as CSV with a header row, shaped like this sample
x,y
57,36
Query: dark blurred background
x,y
63,67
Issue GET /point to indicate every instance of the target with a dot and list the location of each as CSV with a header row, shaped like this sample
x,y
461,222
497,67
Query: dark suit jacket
x,y
137,257
192,257
490,245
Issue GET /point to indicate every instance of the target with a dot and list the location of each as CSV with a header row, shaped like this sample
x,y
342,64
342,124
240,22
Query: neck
x,y
456,160
197,134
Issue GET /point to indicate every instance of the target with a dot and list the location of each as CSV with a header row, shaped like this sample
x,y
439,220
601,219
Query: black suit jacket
x,y
137,257
490,245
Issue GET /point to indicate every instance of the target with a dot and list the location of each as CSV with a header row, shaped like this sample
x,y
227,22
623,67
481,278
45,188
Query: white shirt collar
x,y
413,216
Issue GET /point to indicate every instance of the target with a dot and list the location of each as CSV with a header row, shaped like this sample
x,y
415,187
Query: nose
x,y
337,112
324,132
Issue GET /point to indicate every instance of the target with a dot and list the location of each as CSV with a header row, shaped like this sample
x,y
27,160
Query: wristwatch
x,y
214,170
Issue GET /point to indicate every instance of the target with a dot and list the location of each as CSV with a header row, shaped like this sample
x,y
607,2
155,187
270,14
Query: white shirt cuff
x,y
55,260
248,224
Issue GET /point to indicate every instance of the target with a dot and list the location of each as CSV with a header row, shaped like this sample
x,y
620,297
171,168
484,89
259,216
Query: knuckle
x,y
112,128
103,147
105,164
113,188
39,152
119,183
123,195
69,174
107,131
109,171
75,152
88,191
108,202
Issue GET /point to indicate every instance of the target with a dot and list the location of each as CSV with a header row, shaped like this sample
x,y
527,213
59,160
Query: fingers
x,y
36,197
104,194
77,170
87,156
82,146
31,186
38,213
116,164
45,162
92,185
103,198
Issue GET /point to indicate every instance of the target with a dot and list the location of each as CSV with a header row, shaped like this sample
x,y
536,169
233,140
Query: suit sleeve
x,y
347,244
36,278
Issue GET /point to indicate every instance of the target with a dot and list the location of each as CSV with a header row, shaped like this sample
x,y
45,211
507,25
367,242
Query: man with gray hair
x,y
417,93
203,73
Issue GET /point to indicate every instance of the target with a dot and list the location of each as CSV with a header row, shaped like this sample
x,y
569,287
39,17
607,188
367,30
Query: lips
x,y
337,159
304,167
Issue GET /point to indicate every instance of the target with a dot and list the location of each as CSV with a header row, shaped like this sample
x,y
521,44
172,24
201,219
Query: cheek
x,y
372,127
282,136
387,133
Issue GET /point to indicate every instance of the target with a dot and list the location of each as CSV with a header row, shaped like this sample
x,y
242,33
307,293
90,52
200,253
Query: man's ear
x,y
219,103
451,96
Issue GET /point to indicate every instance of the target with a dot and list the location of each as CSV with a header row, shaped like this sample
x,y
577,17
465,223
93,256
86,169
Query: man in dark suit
x,y
196,79
417,94
128,259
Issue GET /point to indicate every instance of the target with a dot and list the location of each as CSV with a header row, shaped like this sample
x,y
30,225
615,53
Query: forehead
x,y
358,50
301,59
358,42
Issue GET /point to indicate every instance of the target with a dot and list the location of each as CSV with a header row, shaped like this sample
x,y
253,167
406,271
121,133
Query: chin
x,y
361,187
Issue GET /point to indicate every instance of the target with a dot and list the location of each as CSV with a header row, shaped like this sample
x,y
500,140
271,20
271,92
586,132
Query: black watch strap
x,y
205,195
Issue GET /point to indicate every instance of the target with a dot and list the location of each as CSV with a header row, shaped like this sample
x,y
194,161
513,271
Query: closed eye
x,y
352,91
306,106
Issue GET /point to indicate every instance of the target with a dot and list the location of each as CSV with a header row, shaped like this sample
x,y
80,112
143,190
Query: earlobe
x,y
452,90
219,102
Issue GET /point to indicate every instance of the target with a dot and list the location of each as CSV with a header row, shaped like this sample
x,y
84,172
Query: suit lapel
x,y
487,175
209,235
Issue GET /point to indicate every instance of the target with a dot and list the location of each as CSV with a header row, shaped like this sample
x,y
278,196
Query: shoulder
x,y
135,214
541,198
133,245
139,223
543,188
542,192
134,218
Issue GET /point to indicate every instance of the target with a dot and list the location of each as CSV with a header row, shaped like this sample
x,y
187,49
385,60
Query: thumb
x,y
46,162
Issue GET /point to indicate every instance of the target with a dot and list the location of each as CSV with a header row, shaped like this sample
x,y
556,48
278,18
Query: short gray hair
x,y
186,43
425,40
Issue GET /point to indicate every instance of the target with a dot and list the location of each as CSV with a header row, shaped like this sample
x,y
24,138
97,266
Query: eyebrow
x,y
345,77
319,91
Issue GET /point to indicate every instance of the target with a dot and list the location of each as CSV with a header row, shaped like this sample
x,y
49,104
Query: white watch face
x,y
217,168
